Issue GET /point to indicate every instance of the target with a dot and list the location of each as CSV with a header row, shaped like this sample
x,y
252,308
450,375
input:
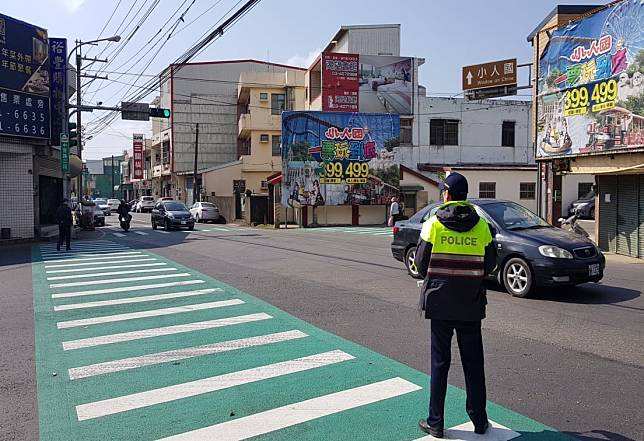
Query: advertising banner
x,y
137,153
58,89
339,82
339,158
591,84
24,79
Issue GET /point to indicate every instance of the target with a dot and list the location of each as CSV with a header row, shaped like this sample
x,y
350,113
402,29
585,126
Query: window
x,y
278,103
583,189
487,190
507,134
443,132
263,96
527,190
275,150
263,137
263,185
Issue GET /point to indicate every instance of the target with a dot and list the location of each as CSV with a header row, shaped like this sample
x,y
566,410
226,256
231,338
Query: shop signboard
x,y
24,79
58,89
367,83
339,158
137,153
591,85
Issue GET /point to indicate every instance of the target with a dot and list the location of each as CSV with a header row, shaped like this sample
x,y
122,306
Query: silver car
x,y
207,212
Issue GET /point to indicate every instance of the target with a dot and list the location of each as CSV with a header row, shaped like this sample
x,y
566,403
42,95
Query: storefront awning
x,y
275,180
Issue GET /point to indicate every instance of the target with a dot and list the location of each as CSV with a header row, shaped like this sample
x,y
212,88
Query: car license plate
x,y
183,222
593,270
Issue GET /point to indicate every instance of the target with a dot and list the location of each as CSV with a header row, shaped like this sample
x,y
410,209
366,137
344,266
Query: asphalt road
x,y
572,359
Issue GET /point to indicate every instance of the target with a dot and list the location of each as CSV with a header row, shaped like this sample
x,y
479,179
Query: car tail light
x,y
395,230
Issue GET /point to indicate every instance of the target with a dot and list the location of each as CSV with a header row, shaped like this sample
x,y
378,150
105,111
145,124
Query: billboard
x,y
24,79
367,83
591,85
137,153
339,158
58,89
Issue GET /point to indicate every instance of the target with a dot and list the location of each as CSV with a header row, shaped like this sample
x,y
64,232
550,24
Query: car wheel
x,y
410,257
517,277
166,225
154,225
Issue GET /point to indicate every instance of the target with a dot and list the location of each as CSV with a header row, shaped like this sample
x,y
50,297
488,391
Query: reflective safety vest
x,y
456,254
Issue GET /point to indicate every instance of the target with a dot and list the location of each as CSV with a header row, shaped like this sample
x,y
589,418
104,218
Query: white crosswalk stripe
x,y
181,354
162,232
82,244
111,273
297,413
119,280
86,258
148,313
465,432
166,330
61,254
125,260
95,268
198,387
119,234
64,295
141,233
140,299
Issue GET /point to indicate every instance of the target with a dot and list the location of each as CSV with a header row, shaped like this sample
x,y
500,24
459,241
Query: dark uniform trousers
x,y
470,345
64,235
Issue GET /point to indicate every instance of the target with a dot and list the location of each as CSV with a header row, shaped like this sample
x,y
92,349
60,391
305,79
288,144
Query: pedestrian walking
x,y
64,221
455,252
394,212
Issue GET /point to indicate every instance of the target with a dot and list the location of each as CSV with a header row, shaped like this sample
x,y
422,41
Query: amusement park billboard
x,y
591,85
339,158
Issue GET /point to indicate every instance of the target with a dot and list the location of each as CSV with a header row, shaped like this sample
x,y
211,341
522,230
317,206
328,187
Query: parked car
x,y
171,214
114,204
584,207
530,252
207,212
145,203
164,199
103,205
99,217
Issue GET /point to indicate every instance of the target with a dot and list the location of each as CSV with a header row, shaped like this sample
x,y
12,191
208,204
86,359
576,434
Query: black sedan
x,y
172,214
530,252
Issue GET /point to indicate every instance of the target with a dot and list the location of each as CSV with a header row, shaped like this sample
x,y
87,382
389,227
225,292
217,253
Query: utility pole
x,y
112,168
79,144
194,172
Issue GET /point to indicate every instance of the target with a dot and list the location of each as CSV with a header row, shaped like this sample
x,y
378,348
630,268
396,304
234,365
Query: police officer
x,y
455,252
64,220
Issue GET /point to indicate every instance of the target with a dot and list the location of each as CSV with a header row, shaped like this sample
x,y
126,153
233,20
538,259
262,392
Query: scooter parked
x,y
571,224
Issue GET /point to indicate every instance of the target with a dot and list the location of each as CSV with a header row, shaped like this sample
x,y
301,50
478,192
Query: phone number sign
x,y
593,97
24,114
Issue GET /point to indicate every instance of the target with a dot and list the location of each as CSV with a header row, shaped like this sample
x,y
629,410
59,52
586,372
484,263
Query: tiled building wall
x,y
16,194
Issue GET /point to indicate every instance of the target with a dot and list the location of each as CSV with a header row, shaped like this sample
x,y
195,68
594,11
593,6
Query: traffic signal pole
x,y
79,136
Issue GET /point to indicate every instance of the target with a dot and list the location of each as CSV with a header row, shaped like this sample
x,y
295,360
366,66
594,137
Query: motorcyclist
x,y
123,211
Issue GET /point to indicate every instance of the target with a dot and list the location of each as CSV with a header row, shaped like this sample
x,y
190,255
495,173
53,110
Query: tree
x,y
635,104
391,143
389,175
300,152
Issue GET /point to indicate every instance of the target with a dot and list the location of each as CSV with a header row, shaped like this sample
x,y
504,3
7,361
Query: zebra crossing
x,y
368,231
133,346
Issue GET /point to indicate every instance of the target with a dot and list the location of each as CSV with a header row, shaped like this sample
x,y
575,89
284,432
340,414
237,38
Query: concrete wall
x,y
373,214
226,205
220,181
367,40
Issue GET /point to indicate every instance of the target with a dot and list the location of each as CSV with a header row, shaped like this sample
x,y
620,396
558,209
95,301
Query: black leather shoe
x,y
480,430
436,432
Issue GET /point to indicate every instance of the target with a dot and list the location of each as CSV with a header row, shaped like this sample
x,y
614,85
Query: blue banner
x,y
24,79
58,77
338,158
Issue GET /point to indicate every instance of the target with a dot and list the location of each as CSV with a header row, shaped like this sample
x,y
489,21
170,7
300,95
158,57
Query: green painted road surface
x,y
133,346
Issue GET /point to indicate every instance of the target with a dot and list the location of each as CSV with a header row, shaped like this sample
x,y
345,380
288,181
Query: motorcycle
x,y
570,224
125,222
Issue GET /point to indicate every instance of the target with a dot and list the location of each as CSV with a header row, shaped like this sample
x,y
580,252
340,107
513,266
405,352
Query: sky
x,y
448,34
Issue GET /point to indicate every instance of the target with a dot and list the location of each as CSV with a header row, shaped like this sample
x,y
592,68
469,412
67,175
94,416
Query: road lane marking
x,y
106,257
220,229
64,295
166,330
98,251
81,245
162,232
146,314
297,413
181,354
139,259
465,432
140,299
119,280
77,270
85,249
110,273
119,234
206,385
141,233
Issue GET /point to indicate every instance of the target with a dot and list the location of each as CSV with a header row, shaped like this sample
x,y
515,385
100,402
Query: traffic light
x,y
156,112
73,134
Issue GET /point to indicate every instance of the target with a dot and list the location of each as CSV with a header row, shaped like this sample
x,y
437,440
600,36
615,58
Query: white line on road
x,y
119,234
120,280
220,229
140,299
78,248
166,330
465,432
297,413
138,259
148,313
181,354
184,390
64,295
82,244
141,233
77,270
47,254
102,257
162,232
111,273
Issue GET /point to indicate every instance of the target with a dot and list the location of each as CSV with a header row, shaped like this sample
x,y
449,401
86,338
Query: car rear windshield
x,y
513,216
100,201
175,206
147,198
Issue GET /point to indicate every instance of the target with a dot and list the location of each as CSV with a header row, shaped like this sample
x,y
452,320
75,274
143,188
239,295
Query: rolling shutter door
x,y
628,215
607,212
641,219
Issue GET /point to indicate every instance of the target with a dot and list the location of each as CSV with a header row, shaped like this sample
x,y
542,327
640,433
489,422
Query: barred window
x,y
487,190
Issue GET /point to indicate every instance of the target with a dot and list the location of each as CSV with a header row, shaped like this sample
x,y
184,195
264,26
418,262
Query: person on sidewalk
x,y
394,212
64,221
455,252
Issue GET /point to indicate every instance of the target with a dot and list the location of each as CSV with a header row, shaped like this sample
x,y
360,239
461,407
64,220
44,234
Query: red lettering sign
x,y
137,150
340,82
